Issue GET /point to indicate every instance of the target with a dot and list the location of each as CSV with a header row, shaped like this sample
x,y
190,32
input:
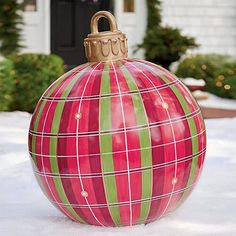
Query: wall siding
x,y
211,22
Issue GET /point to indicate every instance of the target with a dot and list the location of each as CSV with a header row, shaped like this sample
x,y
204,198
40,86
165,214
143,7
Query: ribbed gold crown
x,y
108,45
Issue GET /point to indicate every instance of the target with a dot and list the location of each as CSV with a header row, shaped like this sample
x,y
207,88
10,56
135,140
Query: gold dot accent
x,y
78,115
165,105
204,67
84,194
227,87
219,84
174,180
221,77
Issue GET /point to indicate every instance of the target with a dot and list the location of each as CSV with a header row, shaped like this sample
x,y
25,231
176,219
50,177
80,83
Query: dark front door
x,y
70,24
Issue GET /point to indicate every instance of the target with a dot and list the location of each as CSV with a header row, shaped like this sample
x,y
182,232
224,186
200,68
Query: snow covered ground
x,y
214,101
24,210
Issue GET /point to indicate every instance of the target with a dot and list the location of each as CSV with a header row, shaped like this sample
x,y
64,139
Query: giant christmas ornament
x,y
116,141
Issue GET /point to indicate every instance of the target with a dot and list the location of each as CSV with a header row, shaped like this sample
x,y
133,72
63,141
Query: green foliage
x,y
225,82
33,74
218,71
154,13
10,23
201,66
6,84
163,44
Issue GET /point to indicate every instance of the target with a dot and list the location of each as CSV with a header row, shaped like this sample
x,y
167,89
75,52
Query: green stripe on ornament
x,y
53,146
145,141
195,149
107,163
193,131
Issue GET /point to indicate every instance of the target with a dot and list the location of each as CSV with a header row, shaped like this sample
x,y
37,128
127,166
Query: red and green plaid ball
x,y
117,144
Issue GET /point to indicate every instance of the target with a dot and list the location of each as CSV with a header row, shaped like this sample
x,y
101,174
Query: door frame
x,y
38,21
47,10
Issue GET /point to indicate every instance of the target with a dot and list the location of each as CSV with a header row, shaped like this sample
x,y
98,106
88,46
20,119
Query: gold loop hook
x,y
105,46
107,15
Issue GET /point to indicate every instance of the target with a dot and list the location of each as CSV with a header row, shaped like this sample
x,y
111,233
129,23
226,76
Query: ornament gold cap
x,y
108,45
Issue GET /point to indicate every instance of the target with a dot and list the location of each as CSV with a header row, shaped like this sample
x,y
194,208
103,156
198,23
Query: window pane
x,y
30,5
129,5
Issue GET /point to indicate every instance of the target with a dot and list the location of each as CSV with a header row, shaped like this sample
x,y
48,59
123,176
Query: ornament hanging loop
x,y
107,45
98,16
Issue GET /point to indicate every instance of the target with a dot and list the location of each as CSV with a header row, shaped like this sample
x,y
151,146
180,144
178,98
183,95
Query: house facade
x,y
59,26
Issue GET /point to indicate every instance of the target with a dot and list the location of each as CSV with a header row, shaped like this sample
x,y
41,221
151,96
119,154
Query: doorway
x,y
70,24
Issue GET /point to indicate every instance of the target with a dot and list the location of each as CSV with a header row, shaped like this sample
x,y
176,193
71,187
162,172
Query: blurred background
x,y
42,39
196,40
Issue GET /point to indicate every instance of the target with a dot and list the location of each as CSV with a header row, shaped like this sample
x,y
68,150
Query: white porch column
x,y
36,31
133,24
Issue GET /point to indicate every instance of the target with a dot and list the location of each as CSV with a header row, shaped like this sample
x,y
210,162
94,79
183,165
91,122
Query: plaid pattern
x,y
117,144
